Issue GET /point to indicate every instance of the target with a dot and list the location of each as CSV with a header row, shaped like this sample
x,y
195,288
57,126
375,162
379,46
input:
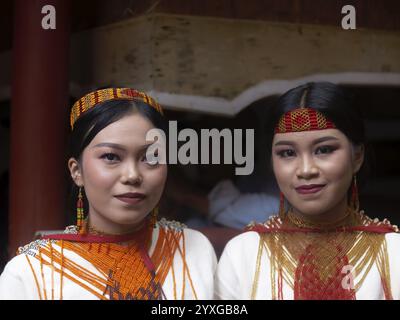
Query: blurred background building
x,y
211,64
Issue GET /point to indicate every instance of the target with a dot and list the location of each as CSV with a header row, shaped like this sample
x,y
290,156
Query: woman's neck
x,y
98,224
331,217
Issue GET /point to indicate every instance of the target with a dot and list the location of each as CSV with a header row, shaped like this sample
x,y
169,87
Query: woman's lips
x,y
309,189
131,198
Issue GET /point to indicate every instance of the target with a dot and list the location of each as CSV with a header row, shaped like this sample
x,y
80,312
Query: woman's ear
x,y
359,152
75,171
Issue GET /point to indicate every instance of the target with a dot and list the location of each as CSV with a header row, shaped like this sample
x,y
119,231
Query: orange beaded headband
x,y
94,98
303,119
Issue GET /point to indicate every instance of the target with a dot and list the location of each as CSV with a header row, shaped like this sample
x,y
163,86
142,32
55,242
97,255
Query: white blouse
x,y
18,281
237,268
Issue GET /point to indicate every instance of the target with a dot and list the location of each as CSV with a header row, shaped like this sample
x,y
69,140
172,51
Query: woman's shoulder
x,y
190,235
244,244
245,239
25,255
247,242
17,263
32,248
194,240
393,238
170,225
385,226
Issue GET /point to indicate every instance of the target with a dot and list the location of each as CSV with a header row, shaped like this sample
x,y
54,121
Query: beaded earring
x,y
281,205
153,217
80,219
354,202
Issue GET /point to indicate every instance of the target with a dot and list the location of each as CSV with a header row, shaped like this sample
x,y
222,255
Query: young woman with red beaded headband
x,y
319,245
118,249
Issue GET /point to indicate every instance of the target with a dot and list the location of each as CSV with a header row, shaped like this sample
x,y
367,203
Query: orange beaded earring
x,y
80,219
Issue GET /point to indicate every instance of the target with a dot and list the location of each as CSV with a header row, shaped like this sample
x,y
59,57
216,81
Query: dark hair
x,y
104,114
334,102
99,117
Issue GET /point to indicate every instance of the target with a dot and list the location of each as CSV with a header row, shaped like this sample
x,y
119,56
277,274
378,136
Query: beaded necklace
x,y
122,271
312,262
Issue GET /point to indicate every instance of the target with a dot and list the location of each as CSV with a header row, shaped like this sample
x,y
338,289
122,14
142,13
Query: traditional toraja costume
x,y
290,258
165,262
161,260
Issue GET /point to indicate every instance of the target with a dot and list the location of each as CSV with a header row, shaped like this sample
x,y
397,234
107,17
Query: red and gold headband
x,y
94,98
303,119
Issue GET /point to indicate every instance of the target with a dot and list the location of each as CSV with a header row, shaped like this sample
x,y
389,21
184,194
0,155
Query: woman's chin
x,y
124,220
311,211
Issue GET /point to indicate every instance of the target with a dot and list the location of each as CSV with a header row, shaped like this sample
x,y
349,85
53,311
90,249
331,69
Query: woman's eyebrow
x,y
146,146
285,143
316,141
119,146
323,139
110,145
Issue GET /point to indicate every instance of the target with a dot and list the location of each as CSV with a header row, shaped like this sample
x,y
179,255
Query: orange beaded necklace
x,y
124,271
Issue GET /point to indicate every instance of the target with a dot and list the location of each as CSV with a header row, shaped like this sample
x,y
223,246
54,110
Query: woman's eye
x,y
150,159
110,157
286,153
324,150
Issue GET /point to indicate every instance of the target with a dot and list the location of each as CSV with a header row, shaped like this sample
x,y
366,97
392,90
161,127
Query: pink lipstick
x,y
309,188
131,197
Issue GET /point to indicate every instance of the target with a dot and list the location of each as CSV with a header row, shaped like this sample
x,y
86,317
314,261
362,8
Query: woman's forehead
x,y
129,129
309,137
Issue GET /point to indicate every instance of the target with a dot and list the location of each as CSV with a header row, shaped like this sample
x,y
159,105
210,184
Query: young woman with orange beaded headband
x,y
319,245
117,249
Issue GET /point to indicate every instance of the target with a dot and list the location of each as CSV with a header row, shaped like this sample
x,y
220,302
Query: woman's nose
x,y
131,174
307,168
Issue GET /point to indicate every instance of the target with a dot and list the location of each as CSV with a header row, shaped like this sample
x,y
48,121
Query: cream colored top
x,y
18,281
237,267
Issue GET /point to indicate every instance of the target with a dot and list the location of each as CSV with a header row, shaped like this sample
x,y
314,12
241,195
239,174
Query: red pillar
x,y
39,112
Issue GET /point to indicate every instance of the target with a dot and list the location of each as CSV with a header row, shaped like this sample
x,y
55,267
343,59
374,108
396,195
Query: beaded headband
x,y
303,119
94,98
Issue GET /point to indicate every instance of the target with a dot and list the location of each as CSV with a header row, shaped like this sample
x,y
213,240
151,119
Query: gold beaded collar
x,y
347,220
